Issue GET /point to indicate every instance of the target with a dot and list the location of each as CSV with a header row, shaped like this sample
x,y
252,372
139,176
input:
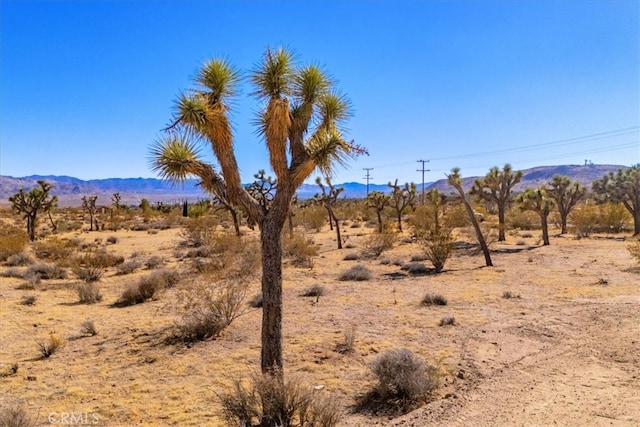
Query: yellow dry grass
x,y
129,375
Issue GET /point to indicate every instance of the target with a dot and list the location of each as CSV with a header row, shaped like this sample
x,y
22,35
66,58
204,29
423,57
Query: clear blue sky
x,y
86,86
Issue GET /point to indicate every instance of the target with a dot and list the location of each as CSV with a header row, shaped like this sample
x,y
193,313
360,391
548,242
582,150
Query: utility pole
x,y
368,178
423,170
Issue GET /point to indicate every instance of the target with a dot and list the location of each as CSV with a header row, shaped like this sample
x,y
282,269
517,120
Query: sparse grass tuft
x,y
50,346
89,274
28,300
147,287
47,271
128,267
19,259
88,327
510,295
434,299
256,301
351,257
349,343
356,273
447,321
88,293
418,258
13,272
15,415
154,262
416,268
314,291
279,403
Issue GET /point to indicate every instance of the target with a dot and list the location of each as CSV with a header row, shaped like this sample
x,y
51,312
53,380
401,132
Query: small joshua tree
x,y
328,199
30,203
89,205
402,199
540,202
378,201
566,195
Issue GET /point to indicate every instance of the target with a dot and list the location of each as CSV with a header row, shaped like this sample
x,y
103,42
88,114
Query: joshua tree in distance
x,y
455,180
378,200
89,205
566,195
402,198
300,122
328,199
540,202
496,187
32,202
622,187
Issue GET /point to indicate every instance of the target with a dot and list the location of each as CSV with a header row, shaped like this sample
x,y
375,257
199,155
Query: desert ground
x,y
564,350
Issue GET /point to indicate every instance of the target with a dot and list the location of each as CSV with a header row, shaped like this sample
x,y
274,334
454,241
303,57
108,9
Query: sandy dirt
x,y
566,352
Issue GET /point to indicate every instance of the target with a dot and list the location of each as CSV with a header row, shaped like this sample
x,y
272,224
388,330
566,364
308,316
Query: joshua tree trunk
x,y
335,219
501,226
379,221
545,228
31,226
563,224
399,221
236,223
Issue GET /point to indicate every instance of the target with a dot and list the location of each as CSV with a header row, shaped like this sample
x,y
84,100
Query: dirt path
x,y
573,364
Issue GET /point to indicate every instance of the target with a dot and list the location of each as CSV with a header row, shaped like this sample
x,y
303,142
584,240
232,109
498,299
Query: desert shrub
x,y
403,381
147,286
434,299
447,321
209,310
300,250
613,218
356,273
377,243
154,261
112,240
313,218
349,342
351,257
456,216
31,280
416,268
523,220
47,271
437,246
584,218
99,259
200,252
256,301
88,327
88,293
129,267
15,415
28,300
421,220
12,241
8,371
418,257
269,401
384,261
199,231
356,225
55,249
17,273
88,274
19,259
314,291
50,346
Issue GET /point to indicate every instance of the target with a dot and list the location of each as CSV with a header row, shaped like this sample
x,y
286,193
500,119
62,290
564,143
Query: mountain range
x,y
132,190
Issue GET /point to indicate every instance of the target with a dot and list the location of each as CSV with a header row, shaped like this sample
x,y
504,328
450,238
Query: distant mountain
x,y
540,175
69,190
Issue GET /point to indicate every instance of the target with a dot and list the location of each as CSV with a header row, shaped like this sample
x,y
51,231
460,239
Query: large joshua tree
x,y
299,120
495,188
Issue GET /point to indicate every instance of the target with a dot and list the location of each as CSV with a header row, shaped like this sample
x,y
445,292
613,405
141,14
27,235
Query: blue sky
x,y
86,86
